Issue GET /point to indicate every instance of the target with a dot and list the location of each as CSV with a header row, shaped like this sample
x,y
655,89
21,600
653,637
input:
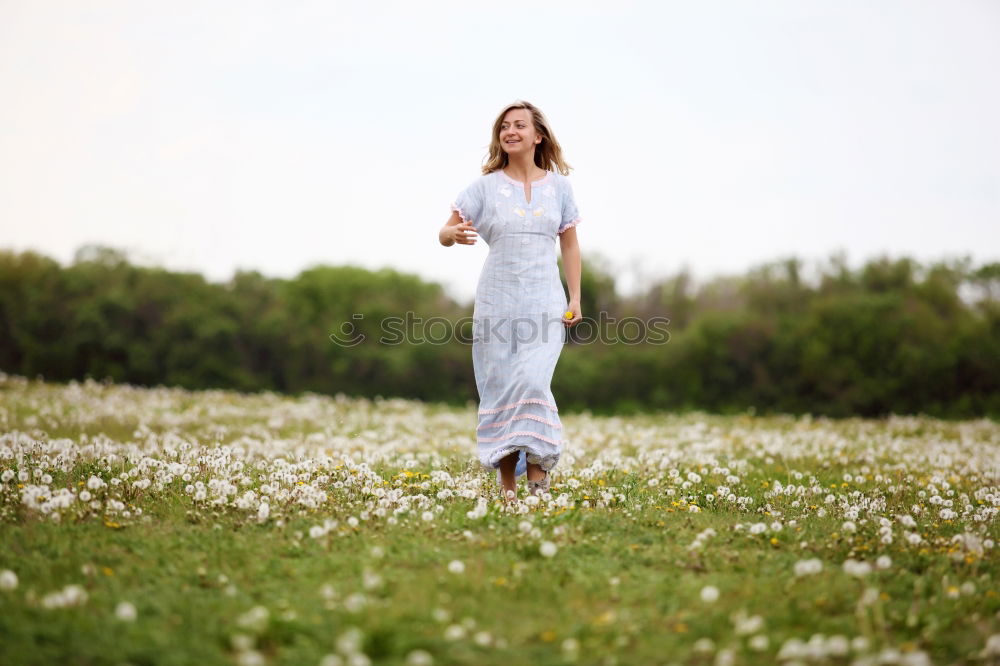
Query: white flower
x,y
454,632
371,580
355,602
74,594
547,549
349,642
849,526
242,642
869,596
725,657
419,658
125,611
793,648
748,625
250,658
427,516
8,580
704,645
316,531
254,620
837,645
456,566
883,562
71,595
263,511
857,569
709,593
807,567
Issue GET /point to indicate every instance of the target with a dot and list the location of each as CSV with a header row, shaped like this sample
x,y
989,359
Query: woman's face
x,y
517,132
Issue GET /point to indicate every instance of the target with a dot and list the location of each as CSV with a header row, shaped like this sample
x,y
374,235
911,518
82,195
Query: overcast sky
x,y
212,136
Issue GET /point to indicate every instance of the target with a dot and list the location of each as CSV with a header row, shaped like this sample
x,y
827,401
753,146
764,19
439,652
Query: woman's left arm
x,y
572,267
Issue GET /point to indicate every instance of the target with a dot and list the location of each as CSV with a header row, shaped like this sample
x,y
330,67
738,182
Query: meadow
x,y
166,526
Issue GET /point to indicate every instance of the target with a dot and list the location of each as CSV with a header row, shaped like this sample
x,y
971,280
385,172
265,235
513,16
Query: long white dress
x,y
518,332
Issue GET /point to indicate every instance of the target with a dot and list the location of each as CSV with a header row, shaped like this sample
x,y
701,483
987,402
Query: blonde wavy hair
x,y
548,153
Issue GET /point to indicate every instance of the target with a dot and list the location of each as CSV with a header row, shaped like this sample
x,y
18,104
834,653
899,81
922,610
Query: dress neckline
x,y
518,182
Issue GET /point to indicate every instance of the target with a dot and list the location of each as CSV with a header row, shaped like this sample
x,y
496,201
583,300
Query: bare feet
x,y
505,473
538,479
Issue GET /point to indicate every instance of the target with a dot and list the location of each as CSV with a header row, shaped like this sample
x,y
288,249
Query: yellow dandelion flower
x,y
604,618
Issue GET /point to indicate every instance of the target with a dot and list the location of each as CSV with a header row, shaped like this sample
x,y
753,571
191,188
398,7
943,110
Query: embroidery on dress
x,y
539,211
549,191
518,211
506,191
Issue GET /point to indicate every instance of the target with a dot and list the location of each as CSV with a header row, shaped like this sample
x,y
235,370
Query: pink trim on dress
x,y
465,218
538,401
570,225
522,416
519,432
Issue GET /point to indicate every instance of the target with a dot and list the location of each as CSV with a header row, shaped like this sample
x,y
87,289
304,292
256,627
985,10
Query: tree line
x,y
893,336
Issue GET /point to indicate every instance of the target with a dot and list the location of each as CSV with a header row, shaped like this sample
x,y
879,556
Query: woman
x,y
520,204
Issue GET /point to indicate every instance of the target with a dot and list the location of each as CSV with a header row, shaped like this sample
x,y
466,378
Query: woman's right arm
x,y
457,231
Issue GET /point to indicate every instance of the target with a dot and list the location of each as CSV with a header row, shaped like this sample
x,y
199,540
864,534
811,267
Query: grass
x,y
625,585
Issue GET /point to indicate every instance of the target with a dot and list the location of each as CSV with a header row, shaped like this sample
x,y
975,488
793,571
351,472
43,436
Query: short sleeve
x,y
469,202
570,214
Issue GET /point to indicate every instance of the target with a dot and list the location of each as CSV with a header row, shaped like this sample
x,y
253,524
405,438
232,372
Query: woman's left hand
x,y
574,307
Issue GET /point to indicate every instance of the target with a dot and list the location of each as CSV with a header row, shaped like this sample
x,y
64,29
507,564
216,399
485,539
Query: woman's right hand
x,y
457,231
463,233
